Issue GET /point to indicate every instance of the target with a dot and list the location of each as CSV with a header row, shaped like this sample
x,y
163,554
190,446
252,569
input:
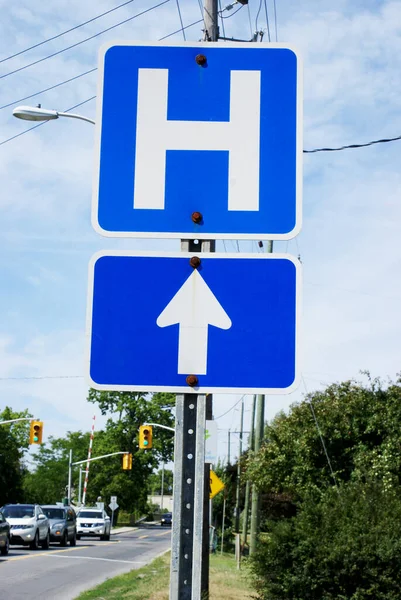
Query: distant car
x,y
4,535
63,524
29,526
93,522
166,519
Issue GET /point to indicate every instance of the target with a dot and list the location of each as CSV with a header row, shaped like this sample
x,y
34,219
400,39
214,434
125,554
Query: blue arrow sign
x,y
192,151
232,322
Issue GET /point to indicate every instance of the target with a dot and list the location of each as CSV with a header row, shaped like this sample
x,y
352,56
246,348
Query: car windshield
x,y
90,514
19,512
54,513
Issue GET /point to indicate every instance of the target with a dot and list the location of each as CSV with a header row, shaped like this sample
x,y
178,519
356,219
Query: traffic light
x,y
127,462
145,437
36,432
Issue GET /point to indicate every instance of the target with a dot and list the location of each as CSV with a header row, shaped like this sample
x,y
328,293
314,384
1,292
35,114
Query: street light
x,y
37,113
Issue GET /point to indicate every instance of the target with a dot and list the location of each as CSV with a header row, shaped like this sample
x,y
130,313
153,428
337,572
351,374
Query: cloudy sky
x,y
350,242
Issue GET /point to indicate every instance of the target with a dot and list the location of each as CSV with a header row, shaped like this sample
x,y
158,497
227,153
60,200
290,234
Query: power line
x,y
83,74
55,37
250,20
93,97
351,146
48,89
275,19
267,21
180,17
321,439
257,15
181,29
44,122
85,40
232,14
230,409
222,20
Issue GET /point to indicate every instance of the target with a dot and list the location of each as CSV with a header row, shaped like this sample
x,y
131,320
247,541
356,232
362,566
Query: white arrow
x,y
194,307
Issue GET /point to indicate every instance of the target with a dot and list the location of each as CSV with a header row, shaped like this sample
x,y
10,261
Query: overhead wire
x,y
257,15
40,60
89,99
352,146
222,20
267,21
230,409
275,19
59,35
52,87
250,20
321,438
180,17
231,14
179,30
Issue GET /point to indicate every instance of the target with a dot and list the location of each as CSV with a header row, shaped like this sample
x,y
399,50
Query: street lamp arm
x,y
162,426
15,420
80,462
75,116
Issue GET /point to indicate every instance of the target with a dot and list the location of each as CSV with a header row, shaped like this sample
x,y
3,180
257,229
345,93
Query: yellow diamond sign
x,y
216,485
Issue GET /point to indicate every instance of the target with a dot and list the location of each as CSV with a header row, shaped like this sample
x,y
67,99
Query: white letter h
x,y
155,134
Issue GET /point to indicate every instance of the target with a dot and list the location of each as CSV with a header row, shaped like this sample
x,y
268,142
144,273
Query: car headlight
x,y
98,525
58,526
25,526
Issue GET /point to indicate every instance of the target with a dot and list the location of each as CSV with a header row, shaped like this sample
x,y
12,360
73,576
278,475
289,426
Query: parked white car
x,y
29,526
93,522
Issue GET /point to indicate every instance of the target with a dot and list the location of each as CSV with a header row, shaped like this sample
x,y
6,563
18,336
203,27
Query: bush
x,y
345,547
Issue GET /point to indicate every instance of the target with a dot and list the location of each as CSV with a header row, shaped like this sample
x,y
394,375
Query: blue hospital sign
x,y
199,151
155,320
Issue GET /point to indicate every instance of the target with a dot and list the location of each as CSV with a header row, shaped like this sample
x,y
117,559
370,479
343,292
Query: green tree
x,y
155,482
345,547
127,412
361,429
14,442
47,482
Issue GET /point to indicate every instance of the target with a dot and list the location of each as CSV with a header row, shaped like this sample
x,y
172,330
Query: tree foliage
x,y
14,442
344,541
360,427
345,547
126,412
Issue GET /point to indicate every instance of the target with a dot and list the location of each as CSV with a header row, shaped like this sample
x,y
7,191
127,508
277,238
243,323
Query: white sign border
x,y
191,235
187,389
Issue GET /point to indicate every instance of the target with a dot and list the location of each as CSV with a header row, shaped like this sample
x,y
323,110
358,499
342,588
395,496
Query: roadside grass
x,y
151,582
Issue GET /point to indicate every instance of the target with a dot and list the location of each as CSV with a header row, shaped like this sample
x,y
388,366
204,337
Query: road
x,y
64,573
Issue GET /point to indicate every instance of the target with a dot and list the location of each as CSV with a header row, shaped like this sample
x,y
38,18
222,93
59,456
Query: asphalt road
x,y
63,573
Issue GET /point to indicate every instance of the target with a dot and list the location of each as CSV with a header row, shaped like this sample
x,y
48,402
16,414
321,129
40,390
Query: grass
x,y
151,582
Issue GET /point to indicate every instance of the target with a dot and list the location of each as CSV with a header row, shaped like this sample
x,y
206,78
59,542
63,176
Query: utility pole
x,y
162,489
248,483
228,451
255,513
69,476
259,431
238,490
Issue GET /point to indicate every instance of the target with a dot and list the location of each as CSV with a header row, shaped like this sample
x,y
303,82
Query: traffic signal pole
x,y
81,462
